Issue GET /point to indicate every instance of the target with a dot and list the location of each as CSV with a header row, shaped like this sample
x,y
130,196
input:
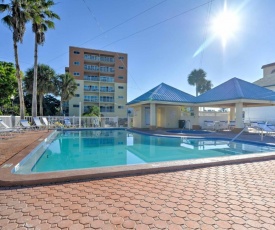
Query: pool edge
x,y
7,178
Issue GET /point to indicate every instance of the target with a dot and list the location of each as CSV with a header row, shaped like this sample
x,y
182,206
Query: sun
x,y
225,25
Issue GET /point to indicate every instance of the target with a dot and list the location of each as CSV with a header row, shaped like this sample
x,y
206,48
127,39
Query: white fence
x,y
79,122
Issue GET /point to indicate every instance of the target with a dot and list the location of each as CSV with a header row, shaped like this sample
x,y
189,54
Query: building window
x,y
76,106
120,107
76,52
121,67
120,77
121,87
77,95
76,63
121,58
77,84
76,74
120,97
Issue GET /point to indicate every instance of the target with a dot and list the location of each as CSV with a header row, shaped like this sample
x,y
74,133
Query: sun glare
x,y
225,25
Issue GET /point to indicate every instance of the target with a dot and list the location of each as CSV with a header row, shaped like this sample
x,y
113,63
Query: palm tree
x,y
65,88
41,16
197,78
45,80
16,20
207,85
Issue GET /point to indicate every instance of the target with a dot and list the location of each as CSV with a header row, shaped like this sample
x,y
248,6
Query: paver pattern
x,y
238,197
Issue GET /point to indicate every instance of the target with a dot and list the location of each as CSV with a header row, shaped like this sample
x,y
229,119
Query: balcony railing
x,y
102,110
107,100
99,58
101,79
92,90
101,90
90,100
105,69
107,90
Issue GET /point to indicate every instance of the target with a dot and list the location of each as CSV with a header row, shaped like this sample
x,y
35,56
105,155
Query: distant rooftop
x,y
266,81
236,88
165,93
268,65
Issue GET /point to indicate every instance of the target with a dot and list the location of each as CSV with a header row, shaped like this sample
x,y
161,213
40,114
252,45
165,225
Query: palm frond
x,y
4,7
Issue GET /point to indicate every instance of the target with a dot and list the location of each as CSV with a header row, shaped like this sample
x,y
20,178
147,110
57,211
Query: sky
x,y
160,37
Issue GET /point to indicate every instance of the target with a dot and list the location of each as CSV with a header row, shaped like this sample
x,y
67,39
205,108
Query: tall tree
x,y
41,17
45,80
65,88
16,19
8,82
207,85
198,79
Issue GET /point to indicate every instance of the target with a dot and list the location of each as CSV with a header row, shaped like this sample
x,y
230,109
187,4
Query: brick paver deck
x,y
225,197
240,196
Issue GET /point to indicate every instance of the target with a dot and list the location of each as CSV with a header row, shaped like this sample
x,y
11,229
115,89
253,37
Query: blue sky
x,y
162,44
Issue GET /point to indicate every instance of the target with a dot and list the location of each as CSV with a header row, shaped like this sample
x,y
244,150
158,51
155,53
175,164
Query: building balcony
x,y
102,69
107,90
91,100
107,100
101,90
107,110
91,90
101,79
95,58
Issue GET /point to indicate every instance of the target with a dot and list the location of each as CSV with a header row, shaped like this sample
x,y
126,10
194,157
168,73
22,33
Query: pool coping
x,y
7,178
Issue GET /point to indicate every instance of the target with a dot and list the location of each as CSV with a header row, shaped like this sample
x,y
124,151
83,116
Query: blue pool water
x,y
70,150
188,131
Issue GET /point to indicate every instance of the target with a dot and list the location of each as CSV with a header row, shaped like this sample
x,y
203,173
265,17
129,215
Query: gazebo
x,y
161,105
236,94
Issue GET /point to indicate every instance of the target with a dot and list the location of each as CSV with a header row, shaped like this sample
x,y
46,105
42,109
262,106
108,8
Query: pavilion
x,y
161,106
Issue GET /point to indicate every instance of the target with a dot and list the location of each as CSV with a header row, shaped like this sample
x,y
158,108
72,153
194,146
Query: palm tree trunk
x,y
34,89
41,96
61,106
19,80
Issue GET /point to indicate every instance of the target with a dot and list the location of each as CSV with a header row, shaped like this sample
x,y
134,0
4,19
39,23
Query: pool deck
x,y
231,195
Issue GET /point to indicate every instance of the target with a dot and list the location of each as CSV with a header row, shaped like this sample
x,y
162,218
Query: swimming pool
x,y
187,131
74,150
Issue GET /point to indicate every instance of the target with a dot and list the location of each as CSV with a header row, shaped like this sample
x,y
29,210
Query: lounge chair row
x,y
24,124
263,127
218,125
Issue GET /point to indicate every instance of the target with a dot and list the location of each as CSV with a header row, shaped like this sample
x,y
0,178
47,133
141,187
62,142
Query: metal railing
x,y
87,122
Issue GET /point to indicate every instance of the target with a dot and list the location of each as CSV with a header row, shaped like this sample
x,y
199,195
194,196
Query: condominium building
x,y
101,77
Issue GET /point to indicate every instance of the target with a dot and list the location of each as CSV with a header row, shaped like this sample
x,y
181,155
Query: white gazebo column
x,y
196,124
239,116
153,115
232,114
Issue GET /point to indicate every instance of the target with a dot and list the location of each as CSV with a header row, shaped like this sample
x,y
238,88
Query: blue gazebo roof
x,y
164,93
234,89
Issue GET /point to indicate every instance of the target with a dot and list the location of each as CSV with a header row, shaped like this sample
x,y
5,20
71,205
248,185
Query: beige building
x,y
101,77
267,81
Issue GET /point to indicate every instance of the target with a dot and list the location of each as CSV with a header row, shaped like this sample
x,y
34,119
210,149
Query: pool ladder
x,y
234,138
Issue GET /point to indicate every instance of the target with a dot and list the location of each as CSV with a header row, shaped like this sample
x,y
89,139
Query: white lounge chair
x,y
271,126
223,125
45,121
232,124
209,125
38,123
5,128
262,127
96,122
26,125
67,122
